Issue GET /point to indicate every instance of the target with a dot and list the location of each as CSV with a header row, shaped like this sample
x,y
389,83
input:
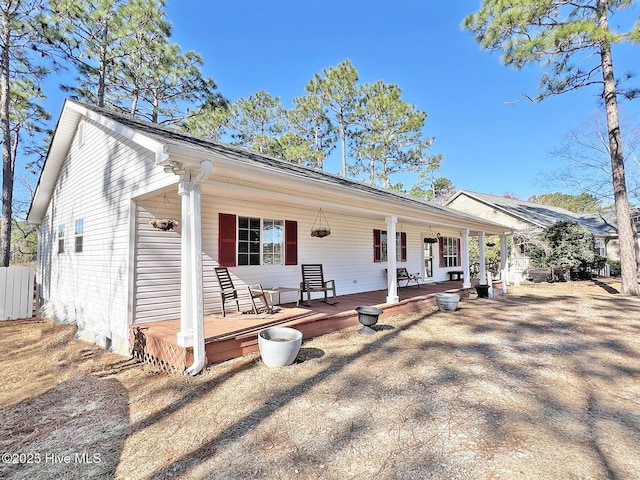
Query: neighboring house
x,y
526,218
102,265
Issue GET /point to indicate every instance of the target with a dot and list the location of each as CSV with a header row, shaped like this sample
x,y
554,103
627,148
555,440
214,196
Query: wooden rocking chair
x,y
313,281
228,292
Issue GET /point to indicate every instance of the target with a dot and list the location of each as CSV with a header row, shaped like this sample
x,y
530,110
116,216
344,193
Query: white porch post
x,y
392,278
196,299
465,258
185,335
504,265
483,268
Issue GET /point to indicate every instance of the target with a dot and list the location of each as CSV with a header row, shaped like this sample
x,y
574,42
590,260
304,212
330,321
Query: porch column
x,y
483,267
504,259
465,258
185,335
392,278
196,299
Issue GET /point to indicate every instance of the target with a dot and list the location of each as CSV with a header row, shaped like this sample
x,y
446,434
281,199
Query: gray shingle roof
x,y
164,134
601,223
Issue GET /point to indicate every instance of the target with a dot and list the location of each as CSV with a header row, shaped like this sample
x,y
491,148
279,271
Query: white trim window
x,y
79,236
260,241
60,238
450,252
600,246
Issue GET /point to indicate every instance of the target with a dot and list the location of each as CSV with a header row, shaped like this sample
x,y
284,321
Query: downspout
x,y
197,297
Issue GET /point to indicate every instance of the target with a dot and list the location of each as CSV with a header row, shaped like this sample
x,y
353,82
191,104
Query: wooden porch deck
x,y
236,334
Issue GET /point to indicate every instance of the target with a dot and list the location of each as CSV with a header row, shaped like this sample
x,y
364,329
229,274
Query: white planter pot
x,y
447,302
279,346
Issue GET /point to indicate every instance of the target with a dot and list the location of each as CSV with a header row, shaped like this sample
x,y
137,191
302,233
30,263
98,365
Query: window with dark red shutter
x,y
377,247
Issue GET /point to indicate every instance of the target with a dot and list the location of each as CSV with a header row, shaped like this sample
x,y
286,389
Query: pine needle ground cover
x,y
541,383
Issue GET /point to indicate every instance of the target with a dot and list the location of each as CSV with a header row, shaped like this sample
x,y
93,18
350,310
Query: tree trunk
x,y
626,226
343,144
7,160
102,67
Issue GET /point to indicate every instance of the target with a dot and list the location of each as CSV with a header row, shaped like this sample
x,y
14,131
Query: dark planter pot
x,y
368,317
483,291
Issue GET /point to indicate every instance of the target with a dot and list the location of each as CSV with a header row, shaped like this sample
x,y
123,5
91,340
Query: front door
x,y
428,259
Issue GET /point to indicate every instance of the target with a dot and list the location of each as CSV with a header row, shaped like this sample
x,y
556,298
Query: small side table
x,y
279,290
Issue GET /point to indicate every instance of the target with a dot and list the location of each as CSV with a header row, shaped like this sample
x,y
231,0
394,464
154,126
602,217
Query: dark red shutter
x,y
226,240
403,246
459,254
290,242
377,247
441,253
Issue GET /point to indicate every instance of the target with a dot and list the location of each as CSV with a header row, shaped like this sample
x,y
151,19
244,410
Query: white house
x,y
527,217
102,265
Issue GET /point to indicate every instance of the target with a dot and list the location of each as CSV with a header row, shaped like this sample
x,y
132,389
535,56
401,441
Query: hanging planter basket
x,y
320,226
164,224
490,244
431,240
161,222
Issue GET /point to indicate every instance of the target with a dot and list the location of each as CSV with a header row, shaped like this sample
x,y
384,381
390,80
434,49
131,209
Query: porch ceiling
x,y
337,202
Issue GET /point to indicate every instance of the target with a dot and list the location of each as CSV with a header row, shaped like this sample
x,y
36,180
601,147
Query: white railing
x,y
520,264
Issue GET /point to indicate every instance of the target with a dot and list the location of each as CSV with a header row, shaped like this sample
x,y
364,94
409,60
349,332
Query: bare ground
x,y
543,383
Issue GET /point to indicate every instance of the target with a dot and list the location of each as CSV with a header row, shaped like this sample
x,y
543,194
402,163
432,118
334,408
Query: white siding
x,y
346,254
95,184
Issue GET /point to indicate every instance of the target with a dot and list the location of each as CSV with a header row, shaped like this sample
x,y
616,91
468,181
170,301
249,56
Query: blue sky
x,y
491,142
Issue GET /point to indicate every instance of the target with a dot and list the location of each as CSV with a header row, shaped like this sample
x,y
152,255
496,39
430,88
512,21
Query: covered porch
x,y
236,334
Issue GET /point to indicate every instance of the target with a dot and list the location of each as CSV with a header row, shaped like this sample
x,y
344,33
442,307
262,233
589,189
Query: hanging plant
x,y
161,222
431,240
164,224
490,244
319,229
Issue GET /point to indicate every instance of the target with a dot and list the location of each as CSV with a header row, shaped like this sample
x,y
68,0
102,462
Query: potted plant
x,y
165,224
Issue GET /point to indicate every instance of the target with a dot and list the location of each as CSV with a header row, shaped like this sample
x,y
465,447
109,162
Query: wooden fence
x,y
17,292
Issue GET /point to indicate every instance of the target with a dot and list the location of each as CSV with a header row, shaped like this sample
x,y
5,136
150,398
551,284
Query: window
x,y
60,239
260,242
79,235
248,241
601,249
256,241
449,252
380,246
272,242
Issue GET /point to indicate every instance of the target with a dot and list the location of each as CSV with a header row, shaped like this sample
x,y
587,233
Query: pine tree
x,y
573,40
25,59
389,139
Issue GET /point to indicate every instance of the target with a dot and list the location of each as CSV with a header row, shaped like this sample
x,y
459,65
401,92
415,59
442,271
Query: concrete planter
x,y
447,302
279,346
368,317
